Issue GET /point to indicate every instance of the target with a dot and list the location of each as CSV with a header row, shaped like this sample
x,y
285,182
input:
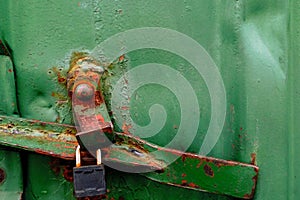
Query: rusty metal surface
x,y
129,153
201,173
191,171
89,109
51,139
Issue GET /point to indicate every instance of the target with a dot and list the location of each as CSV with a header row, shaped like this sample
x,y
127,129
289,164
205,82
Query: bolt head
x,y
84,92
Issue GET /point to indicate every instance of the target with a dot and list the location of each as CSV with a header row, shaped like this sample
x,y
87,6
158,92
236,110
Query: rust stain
x,y
98,98
68,173
126,128
253,158
184,182
208,170
248,196
62,155
62,79
193,185
2,175
199,164
62,167
121,58
124,108
183,175
219,163
254,179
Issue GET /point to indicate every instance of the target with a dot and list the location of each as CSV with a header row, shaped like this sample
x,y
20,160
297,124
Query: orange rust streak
x,y
126,128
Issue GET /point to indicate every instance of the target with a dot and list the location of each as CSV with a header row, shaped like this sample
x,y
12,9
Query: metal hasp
x,y
89,109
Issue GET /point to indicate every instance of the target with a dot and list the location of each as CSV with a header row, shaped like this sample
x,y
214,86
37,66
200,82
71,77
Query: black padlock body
x,y
89,180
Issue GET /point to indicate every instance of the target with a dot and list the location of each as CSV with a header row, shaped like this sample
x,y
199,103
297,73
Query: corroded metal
x,y
57,140
198,172
89,109
93,128
190,171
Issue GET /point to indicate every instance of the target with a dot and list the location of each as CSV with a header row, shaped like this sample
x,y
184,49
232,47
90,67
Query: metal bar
x,y
197,172
57,140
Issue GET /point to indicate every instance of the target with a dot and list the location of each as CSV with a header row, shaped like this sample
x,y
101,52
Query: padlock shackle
x,y
98,154
78,159
78,156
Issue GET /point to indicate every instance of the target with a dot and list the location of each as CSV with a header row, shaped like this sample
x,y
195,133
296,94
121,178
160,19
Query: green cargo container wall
x,y
255,45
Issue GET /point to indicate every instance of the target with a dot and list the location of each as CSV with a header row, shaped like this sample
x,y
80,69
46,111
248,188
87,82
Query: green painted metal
x,y
189,171
197,172
294,102
45,138
254,43
210,175
12,185
8,103
49,174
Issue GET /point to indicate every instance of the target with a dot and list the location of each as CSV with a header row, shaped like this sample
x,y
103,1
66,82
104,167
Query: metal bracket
x,y
89,109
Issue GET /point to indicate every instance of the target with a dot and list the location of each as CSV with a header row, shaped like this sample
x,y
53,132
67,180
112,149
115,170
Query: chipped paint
x,y
208,170
41,137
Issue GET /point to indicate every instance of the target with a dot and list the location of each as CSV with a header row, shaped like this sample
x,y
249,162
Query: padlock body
x,y
89,180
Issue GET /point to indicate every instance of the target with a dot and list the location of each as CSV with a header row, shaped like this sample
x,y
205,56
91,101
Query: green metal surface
x,y
46,180
12,185
294,102
8,103
200,173
11,181
45,138
254,43
189,171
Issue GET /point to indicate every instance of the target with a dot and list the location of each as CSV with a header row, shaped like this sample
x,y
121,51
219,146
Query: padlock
x,y
89,180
